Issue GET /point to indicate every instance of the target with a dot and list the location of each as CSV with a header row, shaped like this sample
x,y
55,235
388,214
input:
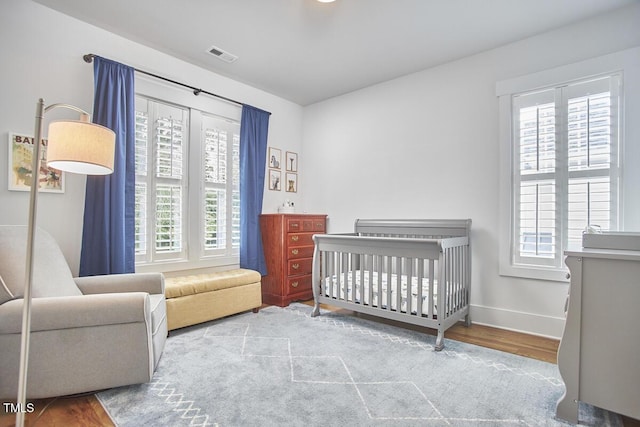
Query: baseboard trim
x,y
518,321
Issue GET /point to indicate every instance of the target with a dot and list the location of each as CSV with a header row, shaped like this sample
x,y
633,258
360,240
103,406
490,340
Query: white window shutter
x,y
565,168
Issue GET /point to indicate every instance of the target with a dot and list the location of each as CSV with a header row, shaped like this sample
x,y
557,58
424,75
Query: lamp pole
x,y
28,276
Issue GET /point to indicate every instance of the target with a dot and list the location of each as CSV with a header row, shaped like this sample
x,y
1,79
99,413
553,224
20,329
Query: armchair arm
x,y
76,311
151,283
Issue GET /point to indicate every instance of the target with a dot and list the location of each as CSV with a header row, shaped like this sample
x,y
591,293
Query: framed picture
x,y
292,161
275,157
275,177
20,165
292,182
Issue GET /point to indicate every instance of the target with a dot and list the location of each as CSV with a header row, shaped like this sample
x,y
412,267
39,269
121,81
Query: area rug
x,y
281,367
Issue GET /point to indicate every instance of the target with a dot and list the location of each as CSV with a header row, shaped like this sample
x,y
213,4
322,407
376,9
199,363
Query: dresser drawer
x,y
313,225
299,252
298,284
305,224
300,239
299,266
294,224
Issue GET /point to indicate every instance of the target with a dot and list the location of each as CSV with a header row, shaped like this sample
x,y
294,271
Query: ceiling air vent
x,y
222,55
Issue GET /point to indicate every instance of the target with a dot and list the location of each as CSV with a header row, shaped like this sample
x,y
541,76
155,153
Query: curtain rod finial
x,y
88,58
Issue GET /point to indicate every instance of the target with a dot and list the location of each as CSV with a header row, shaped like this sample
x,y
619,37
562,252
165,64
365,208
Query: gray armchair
x,y
87,333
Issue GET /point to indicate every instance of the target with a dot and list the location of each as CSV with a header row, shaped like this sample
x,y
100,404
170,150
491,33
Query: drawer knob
x,y
295,266
295,238
294,284
294,251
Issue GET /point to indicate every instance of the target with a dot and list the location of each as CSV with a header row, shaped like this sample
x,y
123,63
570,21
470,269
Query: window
x,y
187,186
565,145
561,167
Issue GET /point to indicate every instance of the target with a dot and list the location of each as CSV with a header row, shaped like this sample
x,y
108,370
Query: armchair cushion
x,y
51,274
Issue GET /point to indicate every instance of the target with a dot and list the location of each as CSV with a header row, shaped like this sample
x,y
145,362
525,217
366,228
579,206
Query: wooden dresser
x,y
288,252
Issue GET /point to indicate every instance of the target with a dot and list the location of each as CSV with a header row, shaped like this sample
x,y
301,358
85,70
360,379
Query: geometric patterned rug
x,y
282,367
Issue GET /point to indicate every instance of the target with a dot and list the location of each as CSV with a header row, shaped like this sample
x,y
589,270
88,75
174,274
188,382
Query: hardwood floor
x,y
83,411
87,411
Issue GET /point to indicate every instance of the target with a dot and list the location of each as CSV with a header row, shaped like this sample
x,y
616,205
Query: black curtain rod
x,y
88,58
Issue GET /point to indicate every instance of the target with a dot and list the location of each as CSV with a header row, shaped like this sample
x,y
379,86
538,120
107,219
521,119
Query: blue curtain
x,y
108,233
254,128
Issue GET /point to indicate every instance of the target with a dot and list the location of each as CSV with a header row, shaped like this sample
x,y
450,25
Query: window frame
x,y
620,63
194,257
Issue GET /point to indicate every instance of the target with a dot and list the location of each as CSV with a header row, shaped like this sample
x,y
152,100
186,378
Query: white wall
x,y
426,146
41,53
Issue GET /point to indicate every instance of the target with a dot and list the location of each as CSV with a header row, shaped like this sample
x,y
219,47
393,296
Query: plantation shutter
x,y
169,141
160,180
220,142
565,167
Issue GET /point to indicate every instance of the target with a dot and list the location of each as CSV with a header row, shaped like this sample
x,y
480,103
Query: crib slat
x,y
420,281
345,276
460,284
367,289
398,285
374,283
409,297
336,274
388,273
354,284
449,281
432,285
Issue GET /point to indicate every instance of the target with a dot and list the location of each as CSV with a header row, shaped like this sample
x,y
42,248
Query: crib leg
x,y
316,309
467,321
439,341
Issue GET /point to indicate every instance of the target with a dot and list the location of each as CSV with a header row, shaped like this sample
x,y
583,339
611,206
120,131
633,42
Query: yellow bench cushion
x,y
200,283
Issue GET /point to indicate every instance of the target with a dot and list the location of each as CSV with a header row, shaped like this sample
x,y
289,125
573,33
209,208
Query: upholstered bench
x,y
202,297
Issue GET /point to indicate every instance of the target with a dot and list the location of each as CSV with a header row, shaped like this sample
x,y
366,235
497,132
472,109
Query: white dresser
x,y
599,355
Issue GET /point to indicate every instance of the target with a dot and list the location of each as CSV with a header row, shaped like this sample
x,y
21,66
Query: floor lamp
x,y
76,147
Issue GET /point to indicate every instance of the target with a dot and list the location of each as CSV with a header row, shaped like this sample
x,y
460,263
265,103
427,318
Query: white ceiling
x,y
306,51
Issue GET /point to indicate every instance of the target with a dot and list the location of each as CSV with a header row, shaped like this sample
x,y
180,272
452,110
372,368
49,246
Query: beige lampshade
x,y
80,147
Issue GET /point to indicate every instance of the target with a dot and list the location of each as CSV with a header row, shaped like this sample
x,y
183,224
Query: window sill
x,y
183,265
536,273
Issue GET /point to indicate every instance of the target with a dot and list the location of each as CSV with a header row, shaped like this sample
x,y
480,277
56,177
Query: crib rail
x,y
425,228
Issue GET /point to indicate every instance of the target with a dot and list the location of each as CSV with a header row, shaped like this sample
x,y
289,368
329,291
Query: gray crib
x,y
413,271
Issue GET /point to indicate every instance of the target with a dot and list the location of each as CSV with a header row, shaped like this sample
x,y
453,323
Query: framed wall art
x,y
275,157
275,177
292,161
20,164
292,182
